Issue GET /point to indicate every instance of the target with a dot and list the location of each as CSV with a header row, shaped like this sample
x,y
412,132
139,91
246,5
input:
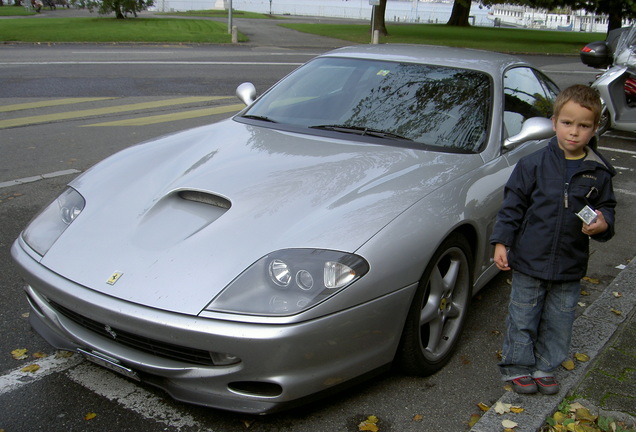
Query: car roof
x,y
488,61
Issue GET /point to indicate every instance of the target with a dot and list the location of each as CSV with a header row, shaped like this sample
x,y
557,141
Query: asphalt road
x,y
43,148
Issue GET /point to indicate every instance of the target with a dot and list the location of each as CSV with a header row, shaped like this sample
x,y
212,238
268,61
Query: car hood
x,y
180,217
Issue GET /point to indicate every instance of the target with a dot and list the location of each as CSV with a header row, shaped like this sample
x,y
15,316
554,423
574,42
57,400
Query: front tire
x,y
437,314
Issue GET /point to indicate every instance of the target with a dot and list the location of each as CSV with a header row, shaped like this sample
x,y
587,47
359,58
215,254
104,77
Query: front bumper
x,y
279,364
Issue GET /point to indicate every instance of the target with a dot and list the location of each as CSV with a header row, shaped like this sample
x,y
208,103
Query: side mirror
x,y
535,128
246,92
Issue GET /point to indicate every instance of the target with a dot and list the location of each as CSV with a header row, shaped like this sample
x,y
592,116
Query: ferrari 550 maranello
x,y
336,226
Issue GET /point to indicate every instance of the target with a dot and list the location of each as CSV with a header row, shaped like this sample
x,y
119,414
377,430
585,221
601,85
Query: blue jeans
x,y
539,325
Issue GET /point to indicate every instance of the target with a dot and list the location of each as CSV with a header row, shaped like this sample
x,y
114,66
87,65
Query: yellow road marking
x,y
50,103
162,118
46,118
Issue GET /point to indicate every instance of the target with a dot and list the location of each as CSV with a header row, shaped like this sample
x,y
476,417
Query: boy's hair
x,y
583,95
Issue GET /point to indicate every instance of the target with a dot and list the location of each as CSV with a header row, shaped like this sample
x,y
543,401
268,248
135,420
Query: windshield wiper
x,y
257,117
361,130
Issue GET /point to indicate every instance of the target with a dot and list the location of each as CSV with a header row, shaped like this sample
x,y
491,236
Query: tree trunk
x,y
615,20
459,15
378,18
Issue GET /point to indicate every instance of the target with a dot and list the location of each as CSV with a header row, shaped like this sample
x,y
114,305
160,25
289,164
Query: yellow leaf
x,y
63,354
559,417
39,355
516,409
369,424
585,293
617,294
474,418
574,406
509,424
482,406
617,312
568,364
592,280
30,368
582,357
90,416
418,417
583,414
19,354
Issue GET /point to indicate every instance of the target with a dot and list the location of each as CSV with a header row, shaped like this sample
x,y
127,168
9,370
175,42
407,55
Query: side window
x,y
524,97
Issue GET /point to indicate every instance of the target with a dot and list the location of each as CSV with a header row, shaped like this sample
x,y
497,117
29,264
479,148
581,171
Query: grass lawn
x,y
488,38
172,28
11,10
113,30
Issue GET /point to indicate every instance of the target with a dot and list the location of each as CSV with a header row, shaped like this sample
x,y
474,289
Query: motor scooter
x,y
617,84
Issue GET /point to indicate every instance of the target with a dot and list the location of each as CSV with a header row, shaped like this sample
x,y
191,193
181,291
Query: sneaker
x,y
523,385
547,385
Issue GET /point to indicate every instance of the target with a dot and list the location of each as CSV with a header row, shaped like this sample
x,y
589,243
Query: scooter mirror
x,y
535,128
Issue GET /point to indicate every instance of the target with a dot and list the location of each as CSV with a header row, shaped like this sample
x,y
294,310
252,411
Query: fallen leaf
x,y
582,357
502,408
63,354
247,423
516,409
617,294
616,312
584,414
90,416
509,424
30,368
585,293
39,355
582,304
574,406
25,315
482,406
369,424
559,417
568,364
592,280
474,418
418,417
19,354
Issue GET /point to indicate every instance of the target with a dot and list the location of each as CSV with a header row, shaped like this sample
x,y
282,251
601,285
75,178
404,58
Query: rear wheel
x,y
437,314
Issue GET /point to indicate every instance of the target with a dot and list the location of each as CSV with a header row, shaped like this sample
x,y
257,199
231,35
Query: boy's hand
x,y
501,257
597,227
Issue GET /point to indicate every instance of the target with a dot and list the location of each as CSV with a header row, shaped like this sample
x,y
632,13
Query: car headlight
x,y
51,222
289,281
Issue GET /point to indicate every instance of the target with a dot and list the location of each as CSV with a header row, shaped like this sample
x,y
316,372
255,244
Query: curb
x,y
591,333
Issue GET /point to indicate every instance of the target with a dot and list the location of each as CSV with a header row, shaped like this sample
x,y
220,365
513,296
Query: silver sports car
x,y
337,225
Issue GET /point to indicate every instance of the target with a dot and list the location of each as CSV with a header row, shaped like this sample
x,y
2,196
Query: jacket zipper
x,y
565,195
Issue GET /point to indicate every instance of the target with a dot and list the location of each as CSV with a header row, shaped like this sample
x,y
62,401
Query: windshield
x,y
432,105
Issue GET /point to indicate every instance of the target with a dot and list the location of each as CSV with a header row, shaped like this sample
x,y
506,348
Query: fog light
x,y
224,359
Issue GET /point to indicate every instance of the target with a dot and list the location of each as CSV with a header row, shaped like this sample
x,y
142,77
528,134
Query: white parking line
x,y
48,365
21,181
131,396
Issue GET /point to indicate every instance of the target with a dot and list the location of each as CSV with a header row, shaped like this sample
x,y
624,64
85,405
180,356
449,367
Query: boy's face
x,y
574,128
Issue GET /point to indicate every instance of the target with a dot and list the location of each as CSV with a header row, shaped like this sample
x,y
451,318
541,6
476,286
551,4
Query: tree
x,y
460,13
121,7
378,18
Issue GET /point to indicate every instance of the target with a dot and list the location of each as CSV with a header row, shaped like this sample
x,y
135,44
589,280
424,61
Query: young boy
x,y
539,235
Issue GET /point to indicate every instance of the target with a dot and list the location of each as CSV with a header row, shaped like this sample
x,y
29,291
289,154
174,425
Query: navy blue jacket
x,y
538,220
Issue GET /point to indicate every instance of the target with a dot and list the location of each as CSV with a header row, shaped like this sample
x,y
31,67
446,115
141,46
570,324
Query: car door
x,y
527,93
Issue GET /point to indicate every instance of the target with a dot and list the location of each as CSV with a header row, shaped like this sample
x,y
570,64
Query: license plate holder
x,y
109,363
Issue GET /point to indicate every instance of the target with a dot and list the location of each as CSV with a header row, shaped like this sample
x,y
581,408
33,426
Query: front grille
x,y
140,343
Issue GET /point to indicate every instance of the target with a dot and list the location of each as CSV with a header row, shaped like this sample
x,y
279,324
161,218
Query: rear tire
x,y
437,314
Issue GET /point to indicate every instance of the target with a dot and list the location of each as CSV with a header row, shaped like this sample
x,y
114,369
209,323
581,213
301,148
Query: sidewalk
x,y
606,384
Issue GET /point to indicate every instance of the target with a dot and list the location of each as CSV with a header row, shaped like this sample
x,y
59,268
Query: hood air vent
x,y
206,198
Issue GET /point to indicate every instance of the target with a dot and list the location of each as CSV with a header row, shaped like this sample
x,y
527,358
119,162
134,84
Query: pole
x,y
229,16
